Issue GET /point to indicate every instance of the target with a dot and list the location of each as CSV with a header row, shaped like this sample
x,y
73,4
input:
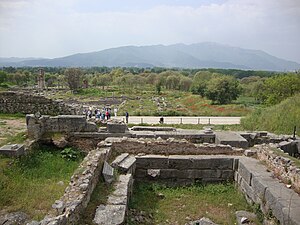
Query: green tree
x,y
200,81
222,89
185,83
3,77
74,78
281,87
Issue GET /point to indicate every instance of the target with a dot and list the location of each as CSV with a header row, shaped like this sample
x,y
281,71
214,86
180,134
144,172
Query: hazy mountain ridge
x,y
201,55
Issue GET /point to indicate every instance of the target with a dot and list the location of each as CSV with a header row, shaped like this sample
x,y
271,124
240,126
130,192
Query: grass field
x,y
33,182
219,202
146,102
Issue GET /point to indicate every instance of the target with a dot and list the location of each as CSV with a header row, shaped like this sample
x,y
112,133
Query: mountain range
x,y
200,55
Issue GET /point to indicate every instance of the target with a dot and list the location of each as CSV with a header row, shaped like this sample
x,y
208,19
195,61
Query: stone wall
x,y
184,170
167,147
260,187
70,206
283,167
17,102
38,126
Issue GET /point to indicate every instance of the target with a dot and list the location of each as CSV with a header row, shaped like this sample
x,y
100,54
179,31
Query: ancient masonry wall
x,y
282,167
38,126
170,146
273,197
16,102
258,185
77,195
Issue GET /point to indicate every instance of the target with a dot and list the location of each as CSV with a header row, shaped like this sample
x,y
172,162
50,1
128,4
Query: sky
x,y
57,28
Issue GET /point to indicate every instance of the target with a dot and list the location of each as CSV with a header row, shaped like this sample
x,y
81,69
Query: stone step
x,y
231,138
119,159
113,213
124,163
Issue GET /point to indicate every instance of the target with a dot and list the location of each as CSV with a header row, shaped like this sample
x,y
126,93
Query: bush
x,y
70,154
280,118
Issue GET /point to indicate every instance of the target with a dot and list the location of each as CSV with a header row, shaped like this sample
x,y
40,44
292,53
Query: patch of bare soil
x,y
11,127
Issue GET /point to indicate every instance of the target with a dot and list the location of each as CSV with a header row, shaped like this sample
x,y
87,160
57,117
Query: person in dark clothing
x,y
161,120
127,116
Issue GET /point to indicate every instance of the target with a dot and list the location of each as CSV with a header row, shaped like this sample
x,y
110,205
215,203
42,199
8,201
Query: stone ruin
x,y
173,157
41,79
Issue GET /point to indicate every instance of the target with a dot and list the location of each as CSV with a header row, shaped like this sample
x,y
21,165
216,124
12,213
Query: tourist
x,y
115,111
107,114
161,120
126,115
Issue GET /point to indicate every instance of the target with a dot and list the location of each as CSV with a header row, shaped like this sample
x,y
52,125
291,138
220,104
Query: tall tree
x,y
74,78
222,89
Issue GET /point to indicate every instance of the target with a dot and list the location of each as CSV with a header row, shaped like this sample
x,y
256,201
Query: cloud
x,y
53,28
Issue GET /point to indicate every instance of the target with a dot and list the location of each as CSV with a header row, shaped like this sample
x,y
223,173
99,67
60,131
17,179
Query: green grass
x,y
19,138
178,103
30,183
219,202
280,118
11,116
99,196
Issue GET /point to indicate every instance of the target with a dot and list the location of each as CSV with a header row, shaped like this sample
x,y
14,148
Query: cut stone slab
x,y
116,128
110,214
108,173
14,150
147,128
119,159
202,221
232,139
244,217
127,165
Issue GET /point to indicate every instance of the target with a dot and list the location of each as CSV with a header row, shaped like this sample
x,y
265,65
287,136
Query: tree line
x,y
219,85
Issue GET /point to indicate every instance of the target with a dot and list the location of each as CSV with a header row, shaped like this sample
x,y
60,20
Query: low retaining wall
x,y
166,147
260,187
38,126
17,102
184,170
283,168
78,193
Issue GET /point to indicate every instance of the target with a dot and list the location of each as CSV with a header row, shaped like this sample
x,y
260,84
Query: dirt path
x,y
11,127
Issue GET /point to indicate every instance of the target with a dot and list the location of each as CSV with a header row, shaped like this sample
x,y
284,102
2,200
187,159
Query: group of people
x,y
103,114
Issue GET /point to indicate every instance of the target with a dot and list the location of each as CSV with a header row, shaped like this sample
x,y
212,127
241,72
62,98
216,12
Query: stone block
x,y
227,175
291,216
140,173
168,173
182,163
127,165
108,173
198,174
119,159
244,172
110,214
248,191
221,163
14,150
117,200
116,128
123,185
152,162
232,139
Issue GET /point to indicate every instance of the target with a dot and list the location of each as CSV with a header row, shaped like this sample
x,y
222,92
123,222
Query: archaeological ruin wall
x,y
17,102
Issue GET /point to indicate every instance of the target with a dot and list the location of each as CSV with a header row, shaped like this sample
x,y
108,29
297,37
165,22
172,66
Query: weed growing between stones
x,y
156,204
99,196
33,182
